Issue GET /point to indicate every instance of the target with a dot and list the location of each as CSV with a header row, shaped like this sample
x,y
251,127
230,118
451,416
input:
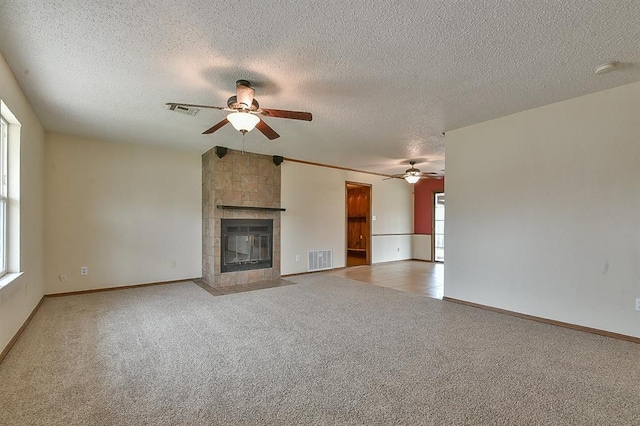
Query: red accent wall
x,y
423,204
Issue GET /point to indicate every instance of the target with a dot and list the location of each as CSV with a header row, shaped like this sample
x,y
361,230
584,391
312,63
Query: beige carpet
x,y
326,351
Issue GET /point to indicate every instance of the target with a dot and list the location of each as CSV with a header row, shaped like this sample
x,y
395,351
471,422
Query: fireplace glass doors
x,y
246,244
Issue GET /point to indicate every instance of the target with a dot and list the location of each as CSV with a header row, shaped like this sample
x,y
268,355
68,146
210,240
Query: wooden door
x,y
358,203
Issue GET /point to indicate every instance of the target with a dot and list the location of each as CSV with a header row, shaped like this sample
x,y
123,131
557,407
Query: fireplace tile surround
x,y
237,179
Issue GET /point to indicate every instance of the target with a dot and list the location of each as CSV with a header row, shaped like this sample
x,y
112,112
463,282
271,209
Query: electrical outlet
x,y
84,270
638,304
174,263
398,248
63,278
297,258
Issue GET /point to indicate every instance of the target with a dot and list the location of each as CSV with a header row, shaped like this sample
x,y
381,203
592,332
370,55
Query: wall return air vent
x,y
319,260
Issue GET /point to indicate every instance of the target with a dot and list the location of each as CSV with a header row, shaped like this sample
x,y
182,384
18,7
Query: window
x,y
9,196
3,196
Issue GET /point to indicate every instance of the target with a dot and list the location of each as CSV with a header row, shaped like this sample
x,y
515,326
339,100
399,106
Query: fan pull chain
x,y
244,133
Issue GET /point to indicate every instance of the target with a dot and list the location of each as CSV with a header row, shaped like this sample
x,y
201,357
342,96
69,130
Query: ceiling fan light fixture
x,y
243,121
605,68
412,177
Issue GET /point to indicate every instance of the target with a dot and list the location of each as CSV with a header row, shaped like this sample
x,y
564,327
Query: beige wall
x,y
543,211
126,211
314,197
421,247
18,299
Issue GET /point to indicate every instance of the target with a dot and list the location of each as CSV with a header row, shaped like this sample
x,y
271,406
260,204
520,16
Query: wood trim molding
x,y
546,320
312,272
391,235
267,209
311,163
13,340
124,287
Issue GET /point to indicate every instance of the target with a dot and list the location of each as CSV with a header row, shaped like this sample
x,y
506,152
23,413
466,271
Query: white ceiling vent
x,y
183,109
320,260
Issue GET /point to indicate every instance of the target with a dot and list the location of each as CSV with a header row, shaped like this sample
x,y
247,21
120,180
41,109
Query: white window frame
x,y
10,130
4,184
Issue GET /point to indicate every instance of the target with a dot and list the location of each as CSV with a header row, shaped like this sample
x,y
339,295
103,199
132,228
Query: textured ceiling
x,y
383,79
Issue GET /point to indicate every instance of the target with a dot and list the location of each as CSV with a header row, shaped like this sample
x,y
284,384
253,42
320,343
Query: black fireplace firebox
x,y
246,244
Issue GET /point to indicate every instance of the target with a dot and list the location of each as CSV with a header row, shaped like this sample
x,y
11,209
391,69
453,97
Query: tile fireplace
x,y
240,218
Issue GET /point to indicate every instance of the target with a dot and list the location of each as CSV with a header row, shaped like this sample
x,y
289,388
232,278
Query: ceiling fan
x,y
244,111
412,175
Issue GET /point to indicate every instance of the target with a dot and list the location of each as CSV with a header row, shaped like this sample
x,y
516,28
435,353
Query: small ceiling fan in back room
x,y
413,175
244,110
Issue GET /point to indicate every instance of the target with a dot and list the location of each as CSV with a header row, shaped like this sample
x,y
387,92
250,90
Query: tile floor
x,y
410,276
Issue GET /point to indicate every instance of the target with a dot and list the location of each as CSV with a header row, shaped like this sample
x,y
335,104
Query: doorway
x,y
438,226
358,202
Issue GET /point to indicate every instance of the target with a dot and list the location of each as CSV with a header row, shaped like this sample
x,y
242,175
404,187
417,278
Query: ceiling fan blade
x,y
173,105
216,127
280,113
396,176
266,130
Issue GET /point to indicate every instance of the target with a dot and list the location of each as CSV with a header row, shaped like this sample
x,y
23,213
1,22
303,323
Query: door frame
x,y
433,225
346,220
